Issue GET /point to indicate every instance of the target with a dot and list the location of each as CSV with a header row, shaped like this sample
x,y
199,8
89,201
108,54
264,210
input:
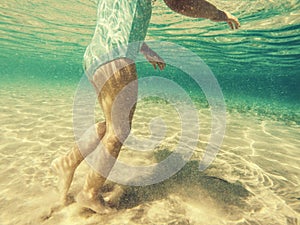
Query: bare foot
x,y
65,175
92,202
113,198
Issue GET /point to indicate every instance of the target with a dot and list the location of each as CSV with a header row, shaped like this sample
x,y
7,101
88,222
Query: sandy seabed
x,y
255,178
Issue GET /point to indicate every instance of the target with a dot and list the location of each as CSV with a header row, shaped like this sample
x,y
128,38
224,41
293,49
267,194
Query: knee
x,y
112,144
115,136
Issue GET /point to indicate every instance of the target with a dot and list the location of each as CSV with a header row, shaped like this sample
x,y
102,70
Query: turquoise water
x,y
257,66
258,70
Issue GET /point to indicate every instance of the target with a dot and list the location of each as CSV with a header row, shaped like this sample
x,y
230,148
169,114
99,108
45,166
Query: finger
x,y
230,24
238,24
233,25
154,65
161,66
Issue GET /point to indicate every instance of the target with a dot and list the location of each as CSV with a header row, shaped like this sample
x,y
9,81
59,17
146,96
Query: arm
x,y
202,9
152,57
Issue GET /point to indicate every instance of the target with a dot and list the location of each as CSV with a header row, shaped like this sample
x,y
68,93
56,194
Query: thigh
x,y
116,83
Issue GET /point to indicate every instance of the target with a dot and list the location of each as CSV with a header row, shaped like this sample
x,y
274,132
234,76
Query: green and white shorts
x,y
121,28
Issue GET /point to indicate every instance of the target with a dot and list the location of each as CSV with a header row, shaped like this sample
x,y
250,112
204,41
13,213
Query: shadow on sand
x,y
188,182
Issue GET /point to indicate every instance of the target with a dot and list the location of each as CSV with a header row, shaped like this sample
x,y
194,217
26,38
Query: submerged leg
x,y
118,104
113,197
66,165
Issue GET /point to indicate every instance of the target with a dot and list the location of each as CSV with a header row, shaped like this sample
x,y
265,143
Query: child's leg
x,y
66,165
117,97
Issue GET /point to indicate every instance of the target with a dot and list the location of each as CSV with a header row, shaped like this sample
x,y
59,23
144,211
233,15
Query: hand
x,y
153,57
232,21
155,60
